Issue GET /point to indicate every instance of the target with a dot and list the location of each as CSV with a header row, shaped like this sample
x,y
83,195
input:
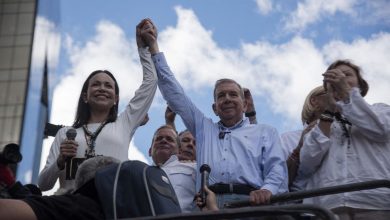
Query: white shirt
x,y
114,138
182,177
334,161
290,141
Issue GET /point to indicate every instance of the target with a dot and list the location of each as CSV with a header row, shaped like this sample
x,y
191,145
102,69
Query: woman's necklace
x,y
90,139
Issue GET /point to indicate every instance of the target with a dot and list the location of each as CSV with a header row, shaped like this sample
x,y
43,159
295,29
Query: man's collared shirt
x,y
182,177
246,154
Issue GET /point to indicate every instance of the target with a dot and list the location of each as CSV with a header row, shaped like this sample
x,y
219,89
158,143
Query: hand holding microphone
x,y
205,172
72,151
68,148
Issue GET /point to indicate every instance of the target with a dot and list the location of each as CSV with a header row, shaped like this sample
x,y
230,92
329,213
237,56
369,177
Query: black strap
x,y
222,188
92,139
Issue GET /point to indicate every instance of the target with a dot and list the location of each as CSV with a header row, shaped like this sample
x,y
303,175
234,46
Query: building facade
x,y
29,51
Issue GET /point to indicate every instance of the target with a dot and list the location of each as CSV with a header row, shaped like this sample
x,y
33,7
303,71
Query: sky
x,y
278,49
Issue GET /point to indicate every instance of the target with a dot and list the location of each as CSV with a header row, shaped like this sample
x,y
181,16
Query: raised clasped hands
x,y
146,35
335,82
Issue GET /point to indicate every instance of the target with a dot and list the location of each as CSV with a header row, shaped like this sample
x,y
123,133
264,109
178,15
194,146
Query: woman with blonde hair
x,y
349,144
292,141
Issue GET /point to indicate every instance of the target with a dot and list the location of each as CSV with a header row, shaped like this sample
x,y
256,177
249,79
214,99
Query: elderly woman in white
x,y
349,144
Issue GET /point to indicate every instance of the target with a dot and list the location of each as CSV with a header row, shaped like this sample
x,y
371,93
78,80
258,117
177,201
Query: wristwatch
x,y
250,114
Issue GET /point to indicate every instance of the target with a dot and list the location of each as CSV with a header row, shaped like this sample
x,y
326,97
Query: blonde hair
x,y
308,110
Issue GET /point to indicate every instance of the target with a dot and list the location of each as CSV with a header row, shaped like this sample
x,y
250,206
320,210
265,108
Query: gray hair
x,y
177,140
88,168
225,80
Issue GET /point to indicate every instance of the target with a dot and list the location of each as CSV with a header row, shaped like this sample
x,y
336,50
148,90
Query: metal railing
x,y
250,212
239,211
298,195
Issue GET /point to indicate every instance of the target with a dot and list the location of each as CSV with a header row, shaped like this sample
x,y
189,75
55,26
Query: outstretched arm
x,y
139,105
170,88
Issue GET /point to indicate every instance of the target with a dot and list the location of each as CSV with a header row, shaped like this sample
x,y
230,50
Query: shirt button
x,y
222,174
224,158
225,149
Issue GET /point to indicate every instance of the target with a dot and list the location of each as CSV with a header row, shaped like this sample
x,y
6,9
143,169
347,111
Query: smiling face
x,y
100,94
164,145
229,103
187,149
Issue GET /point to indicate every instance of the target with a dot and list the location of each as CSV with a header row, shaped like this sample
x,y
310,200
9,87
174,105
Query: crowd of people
x,y
343,140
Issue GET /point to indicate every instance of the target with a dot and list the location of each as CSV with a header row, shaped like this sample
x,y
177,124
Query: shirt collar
x,y
172,159
237,125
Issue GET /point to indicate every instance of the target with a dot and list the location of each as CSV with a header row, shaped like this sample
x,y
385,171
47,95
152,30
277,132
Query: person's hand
x,y
250,107
211,201
329,101
68,148
249,100
146,119
138,30
260,197
170,117
148,33
337,80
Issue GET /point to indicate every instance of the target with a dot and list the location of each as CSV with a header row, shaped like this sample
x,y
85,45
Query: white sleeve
x,y
315,146
50,173
372,120
139,105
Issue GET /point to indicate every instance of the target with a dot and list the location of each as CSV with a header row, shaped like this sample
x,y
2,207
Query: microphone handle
x,y
68,162
70,135
204,182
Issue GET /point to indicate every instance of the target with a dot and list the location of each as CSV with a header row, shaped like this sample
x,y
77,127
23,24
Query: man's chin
x,y
184,157
226,116
162,157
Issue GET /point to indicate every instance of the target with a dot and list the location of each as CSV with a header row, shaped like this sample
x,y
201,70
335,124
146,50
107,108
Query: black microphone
x,y
205,171
71,134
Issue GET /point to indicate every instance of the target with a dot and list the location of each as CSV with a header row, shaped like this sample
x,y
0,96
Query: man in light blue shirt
x,y
246,159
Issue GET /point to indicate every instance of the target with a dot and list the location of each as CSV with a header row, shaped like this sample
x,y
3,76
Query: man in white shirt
x,y
181,174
